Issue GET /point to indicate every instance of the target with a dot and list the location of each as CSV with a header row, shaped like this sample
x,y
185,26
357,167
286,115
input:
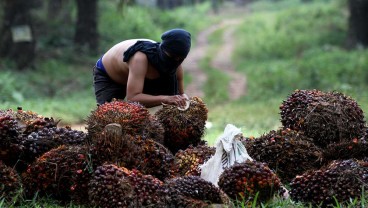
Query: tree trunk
x,y
358,27
17,40
86,34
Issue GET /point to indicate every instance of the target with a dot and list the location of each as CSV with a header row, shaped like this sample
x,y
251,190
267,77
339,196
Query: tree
x,y
358,28
17,40
86,34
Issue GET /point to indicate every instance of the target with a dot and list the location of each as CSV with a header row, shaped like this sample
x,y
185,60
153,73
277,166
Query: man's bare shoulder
x,y
130,42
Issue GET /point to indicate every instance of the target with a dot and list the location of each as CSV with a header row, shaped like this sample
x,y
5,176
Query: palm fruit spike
x,y
341,181
10,184
356,148
45,139
144,154
156,160
188,191
183,128
114,186
62,173
132,116
326,117
243,181
154,130
9,138
112,146
282,149
8,125
30,121
187,161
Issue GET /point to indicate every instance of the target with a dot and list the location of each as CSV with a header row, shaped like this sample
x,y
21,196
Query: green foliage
x,y
144,22
299,48
8,89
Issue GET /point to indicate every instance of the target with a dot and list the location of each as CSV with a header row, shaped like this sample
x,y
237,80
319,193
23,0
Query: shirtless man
x,y
144,71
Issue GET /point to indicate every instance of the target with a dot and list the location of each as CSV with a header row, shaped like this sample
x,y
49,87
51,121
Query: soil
x,y
221,61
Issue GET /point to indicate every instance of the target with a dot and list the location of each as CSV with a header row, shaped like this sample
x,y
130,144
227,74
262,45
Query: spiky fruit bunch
x,y
62,173
356,148
327,117
9,138
183,128
243,181
282,149
154,130
341,180
156,160
30,121
114,186
47,138
188,161
133,152
132,116
8,125
193,191
10,183
112,146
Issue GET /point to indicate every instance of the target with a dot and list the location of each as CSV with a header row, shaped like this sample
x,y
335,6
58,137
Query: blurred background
x,y
247,56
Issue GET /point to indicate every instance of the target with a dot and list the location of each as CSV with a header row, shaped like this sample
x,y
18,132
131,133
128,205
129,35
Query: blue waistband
x,y
100,66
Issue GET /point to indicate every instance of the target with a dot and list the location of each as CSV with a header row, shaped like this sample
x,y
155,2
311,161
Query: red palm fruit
x,y
133,117
62,173
183,128
243,181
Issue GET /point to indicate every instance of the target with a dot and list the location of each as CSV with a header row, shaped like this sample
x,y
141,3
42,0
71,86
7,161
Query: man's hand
x,y
178,100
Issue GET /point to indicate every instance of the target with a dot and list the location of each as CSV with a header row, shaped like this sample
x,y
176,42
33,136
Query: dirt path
x,y
222,61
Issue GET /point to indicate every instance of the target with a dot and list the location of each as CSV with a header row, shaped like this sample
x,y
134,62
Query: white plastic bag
x,y
229,150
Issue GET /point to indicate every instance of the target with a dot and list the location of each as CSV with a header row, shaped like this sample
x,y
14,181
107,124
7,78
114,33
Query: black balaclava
x,y
176,43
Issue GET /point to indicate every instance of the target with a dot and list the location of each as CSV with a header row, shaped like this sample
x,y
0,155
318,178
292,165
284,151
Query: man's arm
x,y
138,66
180,77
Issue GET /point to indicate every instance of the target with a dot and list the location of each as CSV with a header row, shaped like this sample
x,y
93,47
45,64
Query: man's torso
x,y
117,69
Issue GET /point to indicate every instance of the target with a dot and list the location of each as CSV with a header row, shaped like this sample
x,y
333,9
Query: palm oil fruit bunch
x,y
183,127
62,173
340,181
243,181
355,148
132,152
10,183
114,186
188,191
156,159
326,117
188,161
30,121
9,138
154,130
133,117
47,138
113,146
9,128
282,149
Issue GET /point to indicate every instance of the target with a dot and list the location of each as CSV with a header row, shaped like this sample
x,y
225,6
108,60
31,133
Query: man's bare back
x,y
117,69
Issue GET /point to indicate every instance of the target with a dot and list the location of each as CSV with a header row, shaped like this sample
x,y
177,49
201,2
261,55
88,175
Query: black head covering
x,y
176,43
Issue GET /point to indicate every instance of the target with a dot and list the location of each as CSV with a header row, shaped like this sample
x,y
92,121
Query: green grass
x,y
253,117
